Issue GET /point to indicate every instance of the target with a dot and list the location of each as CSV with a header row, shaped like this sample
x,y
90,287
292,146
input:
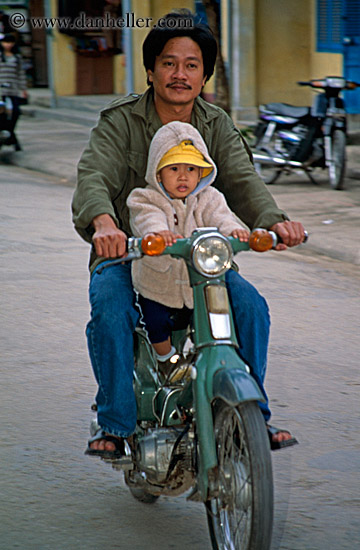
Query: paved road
x,y
331,217
53,497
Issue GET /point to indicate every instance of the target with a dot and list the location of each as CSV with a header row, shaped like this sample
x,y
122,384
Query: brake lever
x,y
133,252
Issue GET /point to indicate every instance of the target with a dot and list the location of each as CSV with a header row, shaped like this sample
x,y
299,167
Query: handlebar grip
x,y
279,239
351,85
303,83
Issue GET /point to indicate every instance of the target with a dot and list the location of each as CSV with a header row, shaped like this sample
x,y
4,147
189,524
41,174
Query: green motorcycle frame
x,y
217,371
214,403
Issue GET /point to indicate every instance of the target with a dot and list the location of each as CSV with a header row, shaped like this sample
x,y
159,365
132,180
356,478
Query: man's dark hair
x,y
180,23
10,38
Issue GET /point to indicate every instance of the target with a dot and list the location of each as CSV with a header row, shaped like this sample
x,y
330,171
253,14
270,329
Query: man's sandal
x,y
274,445
100,435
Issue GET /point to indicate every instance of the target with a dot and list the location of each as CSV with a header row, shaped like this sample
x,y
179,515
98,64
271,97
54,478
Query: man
x,y
179,60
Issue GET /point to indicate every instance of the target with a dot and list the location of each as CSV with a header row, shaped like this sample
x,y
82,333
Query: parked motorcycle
x,y
199,426
290,138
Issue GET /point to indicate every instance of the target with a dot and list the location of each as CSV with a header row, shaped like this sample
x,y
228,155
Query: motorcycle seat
x,y
285,109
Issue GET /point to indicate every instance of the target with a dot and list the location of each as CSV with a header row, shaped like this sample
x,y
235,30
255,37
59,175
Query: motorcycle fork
x,y
328,151
335,118
215,344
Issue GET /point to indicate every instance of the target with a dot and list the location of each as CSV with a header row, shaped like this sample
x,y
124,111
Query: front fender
x,y
217,380
235,386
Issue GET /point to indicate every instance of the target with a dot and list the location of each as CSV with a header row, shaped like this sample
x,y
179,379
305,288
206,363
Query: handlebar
x,y
335,82
260,240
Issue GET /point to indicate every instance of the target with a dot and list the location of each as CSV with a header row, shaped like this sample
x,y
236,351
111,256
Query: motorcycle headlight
x,y
335,82
212,255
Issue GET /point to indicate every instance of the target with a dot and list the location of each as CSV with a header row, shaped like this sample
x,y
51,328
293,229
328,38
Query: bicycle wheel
x,y
241,517
337,167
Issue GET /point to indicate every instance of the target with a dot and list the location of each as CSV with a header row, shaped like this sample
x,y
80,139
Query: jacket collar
x,y
202,112
145,108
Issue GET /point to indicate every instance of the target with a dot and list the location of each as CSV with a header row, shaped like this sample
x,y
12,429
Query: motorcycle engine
x,y
298,141
161,451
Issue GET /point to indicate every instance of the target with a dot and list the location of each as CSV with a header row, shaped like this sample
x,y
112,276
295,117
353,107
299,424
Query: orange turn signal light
x,y
351,85
153,245
260,240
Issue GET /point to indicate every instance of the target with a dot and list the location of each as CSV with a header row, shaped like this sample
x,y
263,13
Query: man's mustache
x,y
179,84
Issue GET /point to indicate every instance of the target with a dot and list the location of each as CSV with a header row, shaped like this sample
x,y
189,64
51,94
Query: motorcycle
x,y
199,426
291,138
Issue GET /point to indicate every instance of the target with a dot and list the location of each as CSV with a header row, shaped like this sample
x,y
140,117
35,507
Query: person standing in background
x,y
12,82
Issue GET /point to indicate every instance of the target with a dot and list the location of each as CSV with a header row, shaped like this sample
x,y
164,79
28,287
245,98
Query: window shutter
x,y
352,18
330,25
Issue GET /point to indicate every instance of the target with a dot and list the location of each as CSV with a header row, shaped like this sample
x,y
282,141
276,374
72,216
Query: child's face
x,y
179,180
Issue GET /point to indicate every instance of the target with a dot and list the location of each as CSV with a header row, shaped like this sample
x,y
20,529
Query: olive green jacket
x,y
114,163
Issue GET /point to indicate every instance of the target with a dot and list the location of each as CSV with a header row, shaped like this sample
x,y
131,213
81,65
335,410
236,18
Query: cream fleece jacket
x,y
165,279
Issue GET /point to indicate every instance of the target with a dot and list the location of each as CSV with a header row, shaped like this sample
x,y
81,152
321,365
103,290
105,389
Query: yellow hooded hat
x,y
185,153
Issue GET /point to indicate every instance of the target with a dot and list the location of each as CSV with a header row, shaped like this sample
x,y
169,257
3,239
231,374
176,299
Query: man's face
x,y
178,75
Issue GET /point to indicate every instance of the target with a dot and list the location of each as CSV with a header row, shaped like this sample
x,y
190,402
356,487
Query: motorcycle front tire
x,y
241,516
337,168
268,173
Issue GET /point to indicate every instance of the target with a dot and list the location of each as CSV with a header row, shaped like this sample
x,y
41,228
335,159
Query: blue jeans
x,y
110,340
14,114
161,320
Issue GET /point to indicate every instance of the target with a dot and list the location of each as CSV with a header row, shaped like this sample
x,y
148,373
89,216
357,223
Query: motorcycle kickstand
x,y
309,175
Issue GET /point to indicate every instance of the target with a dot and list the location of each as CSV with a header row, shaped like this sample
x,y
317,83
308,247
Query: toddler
x,y
178,199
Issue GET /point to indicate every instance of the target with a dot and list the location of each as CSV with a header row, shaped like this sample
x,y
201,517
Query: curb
x,y
85,118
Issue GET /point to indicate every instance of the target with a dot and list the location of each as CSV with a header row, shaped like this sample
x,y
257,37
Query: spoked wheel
x,y
269,173
139,493
241,517
337,167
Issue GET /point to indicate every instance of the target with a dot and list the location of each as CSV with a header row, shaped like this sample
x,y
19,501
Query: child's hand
x,y
241,234
169,237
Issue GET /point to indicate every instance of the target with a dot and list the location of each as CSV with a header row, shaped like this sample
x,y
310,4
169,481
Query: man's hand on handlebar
x,y
291,234
109,241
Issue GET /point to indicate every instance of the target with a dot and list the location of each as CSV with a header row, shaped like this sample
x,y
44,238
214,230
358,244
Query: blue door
x,y
351,45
